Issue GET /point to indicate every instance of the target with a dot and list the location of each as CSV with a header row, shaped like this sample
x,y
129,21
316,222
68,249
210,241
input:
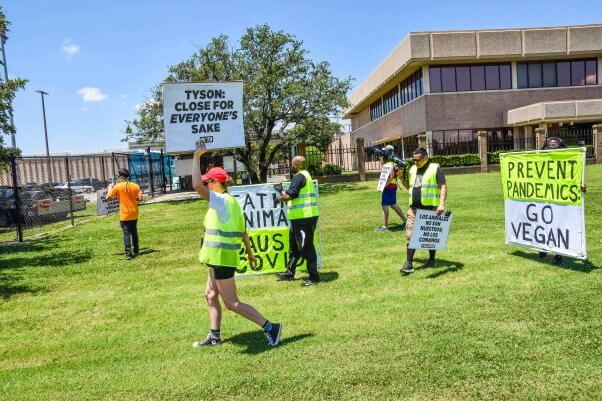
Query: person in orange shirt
x,y
128,194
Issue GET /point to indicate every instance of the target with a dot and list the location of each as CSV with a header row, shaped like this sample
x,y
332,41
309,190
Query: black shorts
x,y
222,272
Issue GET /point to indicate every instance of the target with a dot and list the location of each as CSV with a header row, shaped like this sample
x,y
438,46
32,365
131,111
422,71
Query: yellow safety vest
x,y
306,204
223,240
429,192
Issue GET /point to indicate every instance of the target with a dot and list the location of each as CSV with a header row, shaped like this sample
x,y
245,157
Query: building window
x,y
408,90
551,74
460,78
453,142
376,110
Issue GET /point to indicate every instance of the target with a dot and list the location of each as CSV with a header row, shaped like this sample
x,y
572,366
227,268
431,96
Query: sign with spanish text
x,y
104,206
268,229
430,230
210,112
543,202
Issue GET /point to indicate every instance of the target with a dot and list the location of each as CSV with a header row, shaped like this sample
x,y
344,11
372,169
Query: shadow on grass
x,y
332,189
54,259
9,286
327,277
443,267
255,341
584,266
143,251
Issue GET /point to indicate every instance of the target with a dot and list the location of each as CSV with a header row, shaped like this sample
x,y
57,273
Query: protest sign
x,y
268,229
430,230
211,112
104,206
385,172
543,202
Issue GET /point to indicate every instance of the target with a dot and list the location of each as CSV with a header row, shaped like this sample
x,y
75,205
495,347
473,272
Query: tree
x,y
288,98
8,90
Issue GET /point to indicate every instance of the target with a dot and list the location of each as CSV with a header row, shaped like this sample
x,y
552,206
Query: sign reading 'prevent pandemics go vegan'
x,y
208,112
268,229
544,206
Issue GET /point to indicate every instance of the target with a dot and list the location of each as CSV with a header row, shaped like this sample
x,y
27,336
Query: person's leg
x,y
385,216
215,308
399,212
294,252
227,290
408,265
309,250
126,238
134,232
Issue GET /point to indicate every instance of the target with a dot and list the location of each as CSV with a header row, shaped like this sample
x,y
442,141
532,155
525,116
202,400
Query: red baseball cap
x,y
217,174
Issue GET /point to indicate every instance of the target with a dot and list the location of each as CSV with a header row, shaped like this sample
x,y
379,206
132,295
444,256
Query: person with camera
x,y
129,195
225,233
303,217
428,190
389,194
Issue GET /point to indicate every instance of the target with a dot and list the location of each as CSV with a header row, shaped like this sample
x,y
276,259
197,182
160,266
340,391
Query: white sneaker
x,y
381,229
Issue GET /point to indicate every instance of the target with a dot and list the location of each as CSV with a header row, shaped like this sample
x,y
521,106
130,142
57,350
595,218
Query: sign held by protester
x,y
385,173
210,112
543,202
430,230
104,206
268,229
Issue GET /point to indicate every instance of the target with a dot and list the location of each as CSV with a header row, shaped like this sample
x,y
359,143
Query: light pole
x,y
13,142
42,93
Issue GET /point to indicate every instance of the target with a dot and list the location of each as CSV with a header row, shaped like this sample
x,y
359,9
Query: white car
x,y
78,189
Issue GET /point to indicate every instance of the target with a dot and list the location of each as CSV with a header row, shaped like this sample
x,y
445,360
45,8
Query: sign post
x,y
543,202
210,112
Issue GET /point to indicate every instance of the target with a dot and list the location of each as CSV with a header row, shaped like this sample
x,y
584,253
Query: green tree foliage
x,y
287,96
8,91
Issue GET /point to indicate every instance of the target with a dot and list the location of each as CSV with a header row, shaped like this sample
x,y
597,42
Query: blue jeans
x,y
130,229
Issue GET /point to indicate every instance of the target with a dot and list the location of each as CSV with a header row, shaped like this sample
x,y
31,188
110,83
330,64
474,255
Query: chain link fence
x,y
39,195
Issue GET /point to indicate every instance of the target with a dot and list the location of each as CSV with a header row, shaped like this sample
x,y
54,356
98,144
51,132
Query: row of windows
x,y
470,77
548,74
408,90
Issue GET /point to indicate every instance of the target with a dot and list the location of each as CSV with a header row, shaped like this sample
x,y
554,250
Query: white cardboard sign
x,y
430,231
211,112
385,172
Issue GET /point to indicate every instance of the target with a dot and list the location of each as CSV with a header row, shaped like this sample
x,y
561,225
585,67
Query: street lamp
x,y
42,93
13,142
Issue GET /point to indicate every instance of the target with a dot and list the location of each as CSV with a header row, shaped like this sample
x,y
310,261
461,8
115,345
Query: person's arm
x,y
110,193
442,198
405,182
139,197
252,259
197,180
292,192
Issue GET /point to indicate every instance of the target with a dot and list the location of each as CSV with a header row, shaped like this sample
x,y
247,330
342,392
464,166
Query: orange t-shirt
x,y
128,194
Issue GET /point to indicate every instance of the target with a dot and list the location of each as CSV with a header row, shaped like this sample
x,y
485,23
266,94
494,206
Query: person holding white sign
x,y
303,215
225,233
428,190
389,196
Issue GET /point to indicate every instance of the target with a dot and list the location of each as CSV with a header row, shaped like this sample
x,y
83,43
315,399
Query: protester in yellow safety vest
x,y
428,190
303,216
389,196
225,233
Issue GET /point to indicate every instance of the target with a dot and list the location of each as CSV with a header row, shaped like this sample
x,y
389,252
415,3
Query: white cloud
x,y
70,48
92,94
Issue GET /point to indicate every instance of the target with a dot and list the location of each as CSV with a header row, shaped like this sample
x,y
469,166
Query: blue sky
x,y
98,59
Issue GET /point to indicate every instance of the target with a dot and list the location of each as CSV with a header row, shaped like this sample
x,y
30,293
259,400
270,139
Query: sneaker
x,y
273,335
558,259
284,277
429,264
129,256
307,283
407,268
208,342
381,229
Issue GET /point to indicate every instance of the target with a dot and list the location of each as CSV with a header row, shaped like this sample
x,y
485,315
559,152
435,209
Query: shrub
x,y
468,159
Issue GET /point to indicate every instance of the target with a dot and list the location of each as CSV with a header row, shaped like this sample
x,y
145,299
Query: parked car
x,y
91,182
77,187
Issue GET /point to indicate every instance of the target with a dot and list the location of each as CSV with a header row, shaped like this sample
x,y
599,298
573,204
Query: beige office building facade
x,y
443,88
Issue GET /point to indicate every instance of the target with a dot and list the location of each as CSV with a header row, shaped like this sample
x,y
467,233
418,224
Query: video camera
x,y
387,153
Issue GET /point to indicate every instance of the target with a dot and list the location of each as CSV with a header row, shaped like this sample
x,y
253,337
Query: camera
x,y
387,153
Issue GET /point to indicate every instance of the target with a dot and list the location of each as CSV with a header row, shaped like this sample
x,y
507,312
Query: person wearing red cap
x,y
225,233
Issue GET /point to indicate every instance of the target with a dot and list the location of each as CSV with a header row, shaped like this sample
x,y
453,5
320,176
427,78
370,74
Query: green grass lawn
x,y
492,322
